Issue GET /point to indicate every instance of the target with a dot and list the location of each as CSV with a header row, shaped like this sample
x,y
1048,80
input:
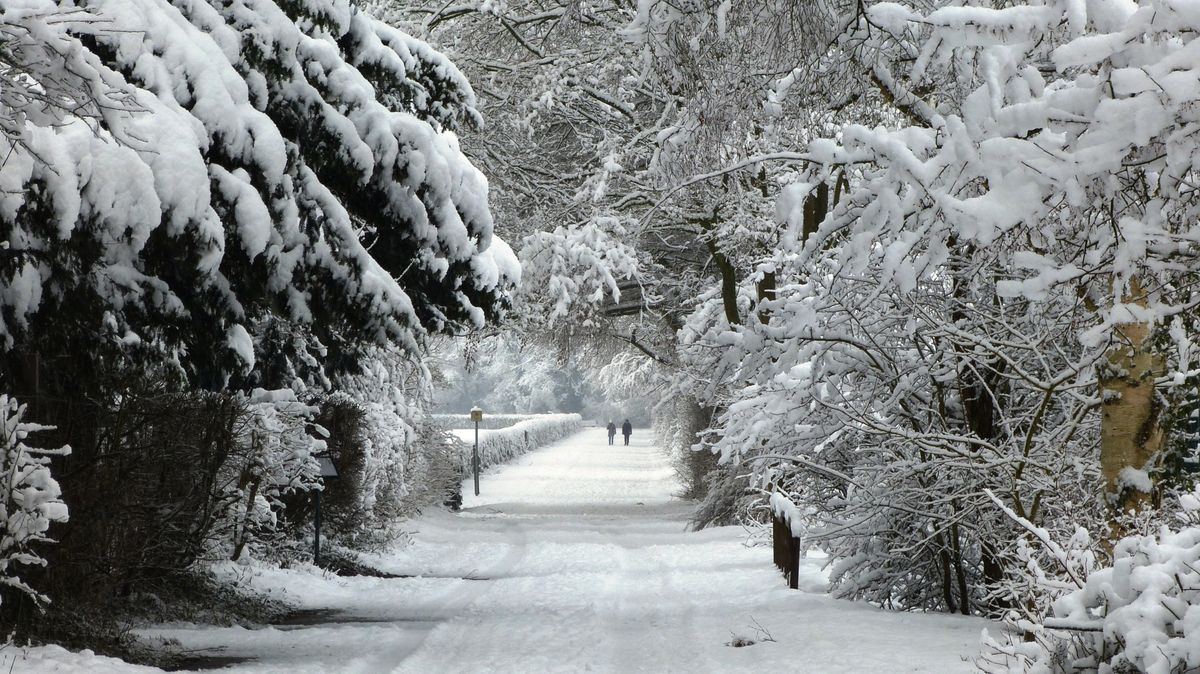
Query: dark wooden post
x,y
786,549
778,532
476,416
793,572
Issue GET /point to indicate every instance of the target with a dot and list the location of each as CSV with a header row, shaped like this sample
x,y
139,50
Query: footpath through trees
x,y
577,557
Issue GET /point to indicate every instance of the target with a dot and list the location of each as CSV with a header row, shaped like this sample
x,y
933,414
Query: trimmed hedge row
x,y
499,445
490,421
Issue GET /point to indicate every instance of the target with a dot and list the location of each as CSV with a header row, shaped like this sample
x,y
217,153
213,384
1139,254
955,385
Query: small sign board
x,y
328,470
476,414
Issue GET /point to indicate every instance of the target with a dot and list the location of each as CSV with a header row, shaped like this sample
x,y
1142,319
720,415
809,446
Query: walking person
x,y
627,430
612,431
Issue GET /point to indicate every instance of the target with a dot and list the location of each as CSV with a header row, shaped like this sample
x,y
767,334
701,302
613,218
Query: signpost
x,y
328,472
476,416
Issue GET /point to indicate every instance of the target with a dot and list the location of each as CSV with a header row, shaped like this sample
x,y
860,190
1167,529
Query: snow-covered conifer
x,y
271,160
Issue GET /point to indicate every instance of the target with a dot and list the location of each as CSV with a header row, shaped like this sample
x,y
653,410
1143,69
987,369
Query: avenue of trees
x,y
927,270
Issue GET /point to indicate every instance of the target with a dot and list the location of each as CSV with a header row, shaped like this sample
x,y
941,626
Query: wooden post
x,y
475,458
777,537
786,548
476,416
793,572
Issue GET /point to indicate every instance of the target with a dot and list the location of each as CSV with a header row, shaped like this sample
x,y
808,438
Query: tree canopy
x,y
238,188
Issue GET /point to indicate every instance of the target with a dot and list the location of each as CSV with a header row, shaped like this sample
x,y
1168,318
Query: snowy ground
x,y
574,559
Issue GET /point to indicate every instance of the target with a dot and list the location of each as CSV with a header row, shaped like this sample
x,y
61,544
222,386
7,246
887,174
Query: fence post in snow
x,y
784,543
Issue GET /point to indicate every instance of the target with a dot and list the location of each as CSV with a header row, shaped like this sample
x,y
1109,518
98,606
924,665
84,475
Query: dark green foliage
x,y
142,484
324,236
348,447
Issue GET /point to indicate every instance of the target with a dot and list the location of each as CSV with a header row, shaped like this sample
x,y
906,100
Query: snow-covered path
x,y
595,572
576,559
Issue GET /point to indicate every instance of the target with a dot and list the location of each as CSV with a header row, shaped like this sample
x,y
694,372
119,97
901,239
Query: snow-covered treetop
x,y
1071,115
237,162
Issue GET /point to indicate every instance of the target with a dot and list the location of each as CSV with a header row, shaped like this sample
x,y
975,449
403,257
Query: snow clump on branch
x,y
31,499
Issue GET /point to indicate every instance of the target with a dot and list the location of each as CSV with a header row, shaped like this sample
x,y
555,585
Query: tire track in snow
x,y
517,540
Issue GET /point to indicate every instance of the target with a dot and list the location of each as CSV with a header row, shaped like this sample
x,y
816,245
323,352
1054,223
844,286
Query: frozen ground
x,y
574,559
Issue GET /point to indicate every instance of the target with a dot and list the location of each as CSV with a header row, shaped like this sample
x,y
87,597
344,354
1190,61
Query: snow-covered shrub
x,y
500,445
678,426
728,497
275,457
433,470
405,460
391,462
30,498
1140,613
143,484
348,501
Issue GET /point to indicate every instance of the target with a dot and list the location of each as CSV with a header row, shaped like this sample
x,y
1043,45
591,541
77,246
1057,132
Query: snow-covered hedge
x,y
503,444
274,456
392,461
490,421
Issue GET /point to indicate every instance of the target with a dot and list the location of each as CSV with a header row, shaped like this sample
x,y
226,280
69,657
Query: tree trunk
x,y
1131,424
766,289
960,573
816,206
947,579
729,294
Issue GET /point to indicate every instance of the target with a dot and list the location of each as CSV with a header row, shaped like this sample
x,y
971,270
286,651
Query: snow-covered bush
x,y
1140,613
30,499
433,468
142,484
274,457
500,445
403,459
679,421
348,501
391,463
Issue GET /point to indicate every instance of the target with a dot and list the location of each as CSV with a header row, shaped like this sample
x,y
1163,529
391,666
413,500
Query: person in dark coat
x,y
612,431
627,430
